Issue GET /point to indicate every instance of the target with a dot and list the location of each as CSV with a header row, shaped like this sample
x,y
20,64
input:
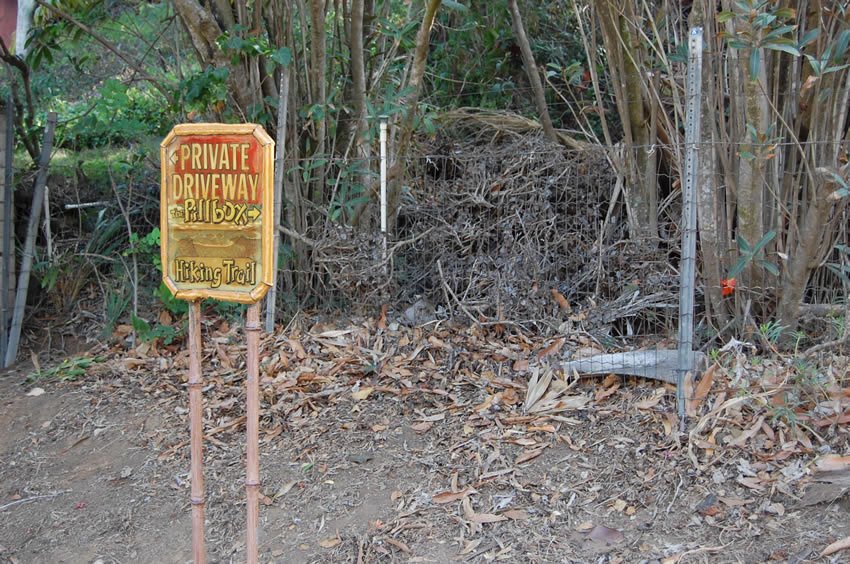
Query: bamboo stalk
x,y
283,102
196,432
252,481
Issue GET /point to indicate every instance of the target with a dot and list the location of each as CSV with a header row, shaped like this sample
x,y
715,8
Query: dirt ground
x,y
387,443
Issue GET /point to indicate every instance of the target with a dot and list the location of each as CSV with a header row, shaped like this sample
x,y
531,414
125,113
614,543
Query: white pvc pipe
x,y
384,175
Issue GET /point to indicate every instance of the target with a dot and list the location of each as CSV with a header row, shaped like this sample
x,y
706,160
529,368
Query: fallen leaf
x,y
398,544
527,455
223,358
422,427
619,505
479,518
735,501
470,546
652,400
297,348
829,463
330,542
520,365
708,506
553,348
606,392
35,392
838,545
362,393
753,483
443,498
482,518
382,321
693,404
584,526
537,386
563,302
605,535
377,428
748,434
284,489
516,514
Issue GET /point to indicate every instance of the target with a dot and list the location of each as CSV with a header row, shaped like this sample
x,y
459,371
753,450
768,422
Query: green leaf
x,y
790,49
739,267
841,272
770,267
755,63
779,32
743,245
809,37
841,43
768,237
282,56
724,17
452,5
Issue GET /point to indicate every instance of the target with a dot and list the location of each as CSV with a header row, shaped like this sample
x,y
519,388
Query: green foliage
x,y
147,247
771,331
238,43
205,89
760,25
754,254
68,369
169,302
117,302
842,268
147,332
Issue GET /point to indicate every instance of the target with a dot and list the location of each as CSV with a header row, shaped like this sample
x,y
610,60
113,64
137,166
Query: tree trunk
x,y
531,71
411,102
362,143
317,78
751,177
625,56
204,31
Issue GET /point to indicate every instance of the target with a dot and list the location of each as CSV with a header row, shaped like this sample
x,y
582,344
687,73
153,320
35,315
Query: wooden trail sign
x,y
216,223
216,211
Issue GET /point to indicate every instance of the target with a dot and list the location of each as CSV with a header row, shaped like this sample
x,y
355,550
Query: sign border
x,y
267,235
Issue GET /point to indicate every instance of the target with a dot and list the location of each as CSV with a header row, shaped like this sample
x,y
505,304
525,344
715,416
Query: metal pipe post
x,y
252,481
196,432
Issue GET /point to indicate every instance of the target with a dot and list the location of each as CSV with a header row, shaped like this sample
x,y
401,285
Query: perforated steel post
x,y
687,271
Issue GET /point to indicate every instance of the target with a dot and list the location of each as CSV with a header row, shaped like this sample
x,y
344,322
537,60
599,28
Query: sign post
x,y
216,205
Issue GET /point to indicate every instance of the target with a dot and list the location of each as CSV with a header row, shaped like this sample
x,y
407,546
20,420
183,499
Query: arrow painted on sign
x,y
254,213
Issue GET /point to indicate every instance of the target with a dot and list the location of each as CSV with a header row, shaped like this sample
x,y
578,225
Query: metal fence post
x,y
687,272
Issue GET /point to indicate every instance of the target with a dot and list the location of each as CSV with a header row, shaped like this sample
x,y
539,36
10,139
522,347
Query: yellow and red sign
x,y
216,204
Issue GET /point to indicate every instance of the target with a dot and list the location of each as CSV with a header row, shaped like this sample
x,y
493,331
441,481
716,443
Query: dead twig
x,y
32,498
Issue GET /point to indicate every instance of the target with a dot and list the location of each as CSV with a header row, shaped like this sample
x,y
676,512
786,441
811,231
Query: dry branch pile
x,y
521,218
504,227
